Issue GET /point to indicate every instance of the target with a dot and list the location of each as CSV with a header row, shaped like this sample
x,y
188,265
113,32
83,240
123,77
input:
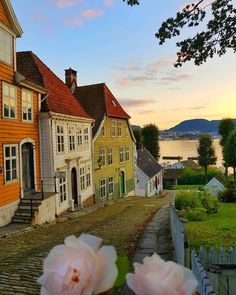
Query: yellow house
x,y
113,141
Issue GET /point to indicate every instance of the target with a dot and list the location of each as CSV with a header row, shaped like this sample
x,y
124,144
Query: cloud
x,y
109,2
87,14
39,16
135,103
67,3
175,77
92,13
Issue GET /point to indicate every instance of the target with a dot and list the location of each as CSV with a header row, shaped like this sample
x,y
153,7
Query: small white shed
x,y
149,174
215,185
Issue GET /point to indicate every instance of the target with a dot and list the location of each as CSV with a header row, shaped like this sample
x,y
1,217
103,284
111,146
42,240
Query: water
x,y
185,149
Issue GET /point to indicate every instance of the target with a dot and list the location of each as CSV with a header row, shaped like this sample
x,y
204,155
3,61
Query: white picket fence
x,y
222,256
205,286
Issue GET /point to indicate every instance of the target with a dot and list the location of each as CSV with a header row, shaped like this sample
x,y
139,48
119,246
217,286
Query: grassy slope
x,y
217,230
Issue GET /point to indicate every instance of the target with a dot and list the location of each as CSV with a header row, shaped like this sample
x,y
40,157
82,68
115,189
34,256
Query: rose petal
x,y
92,241
106,269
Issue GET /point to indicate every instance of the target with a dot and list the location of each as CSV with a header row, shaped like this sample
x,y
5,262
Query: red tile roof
x,y
98,101
60,99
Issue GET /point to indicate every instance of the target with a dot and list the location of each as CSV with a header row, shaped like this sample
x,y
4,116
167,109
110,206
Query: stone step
x,y
21,220
24,213
28,202
28,207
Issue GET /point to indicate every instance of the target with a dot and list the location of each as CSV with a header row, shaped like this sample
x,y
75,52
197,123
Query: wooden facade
x,y
15,132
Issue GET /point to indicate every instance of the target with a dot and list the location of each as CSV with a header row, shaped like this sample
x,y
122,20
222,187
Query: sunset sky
x,y
108,41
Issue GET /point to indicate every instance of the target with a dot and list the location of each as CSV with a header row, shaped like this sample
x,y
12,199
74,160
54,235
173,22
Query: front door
x,y
122,183
27,167
74,186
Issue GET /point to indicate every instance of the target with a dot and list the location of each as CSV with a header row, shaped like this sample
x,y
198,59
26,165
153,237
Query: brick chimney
x,y
71,78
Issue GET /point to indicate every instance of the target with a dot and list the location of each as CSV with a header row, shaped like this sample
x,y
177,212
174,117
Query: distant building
x,y
215,185
190,164
149,174
171,176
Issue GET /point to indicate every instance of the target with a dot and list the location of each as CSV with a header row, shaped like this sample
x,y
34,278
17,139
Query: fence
x,y
178,234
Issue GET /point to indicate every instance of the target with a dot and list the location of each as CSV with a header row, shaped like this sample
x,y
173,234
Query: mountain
x,y
197,125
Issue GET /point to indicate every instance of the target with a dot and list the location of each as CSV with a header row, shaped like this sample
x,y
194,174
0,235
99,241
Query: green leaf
x,y
122,264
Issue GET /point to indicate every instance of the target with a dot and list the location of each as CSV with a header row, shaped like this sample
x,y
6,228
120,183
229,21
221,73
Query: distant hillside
x,y
135,127
197,125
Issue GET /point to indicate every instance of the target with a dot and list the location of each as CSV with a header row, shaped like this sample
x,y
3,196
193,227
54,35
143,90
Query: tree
x,y
225,127
151,139
206,153
219,34
230,151
138,136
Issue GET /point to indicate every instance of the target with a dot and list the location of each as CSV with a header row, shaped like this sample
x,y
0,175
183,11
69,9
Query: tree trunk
x,y
206,177
226,171
234,168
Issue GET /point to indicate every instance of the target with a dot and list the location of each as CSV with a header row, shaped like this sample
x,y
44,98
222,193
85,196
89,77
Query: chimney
x,y
71,79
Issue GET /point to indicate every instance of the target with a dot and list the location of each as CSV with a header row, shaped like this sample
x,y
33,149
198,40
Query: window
x,y
103,131
109,156
110,185
122,156
82,178
88,176
127,153
102,188
9,101
27,105
80,137
119,128
62,189
10,162
60,139
102,156
71,138
86,135
6,48
113,128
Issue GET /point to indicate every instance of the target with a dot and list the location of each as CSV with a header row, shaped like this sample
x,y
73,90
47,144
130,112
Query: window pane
x,y
8,175
13,164
8,164
7,151
14,174
6,111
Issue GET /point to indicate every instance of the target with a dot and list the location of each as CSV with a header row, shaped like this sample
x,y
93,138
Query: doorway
x,y
122,183
27,154
74,186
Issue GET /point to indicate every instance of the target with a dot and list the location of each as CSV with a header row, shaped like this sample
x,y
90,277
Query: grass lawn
x,y
187,186
217,230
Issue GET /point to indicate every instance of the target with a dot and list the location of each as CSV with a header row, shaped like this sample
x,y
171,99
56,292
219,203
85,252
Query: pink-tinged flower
x,y
79,267
157,277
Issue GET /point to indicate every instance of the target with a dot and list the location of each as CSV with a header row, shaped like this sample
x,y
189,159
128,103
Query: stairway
x,y
23,214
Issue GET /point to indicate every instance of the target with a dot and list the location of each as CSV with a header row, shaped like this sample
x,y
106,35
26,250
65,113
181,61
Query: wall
x,y
46,211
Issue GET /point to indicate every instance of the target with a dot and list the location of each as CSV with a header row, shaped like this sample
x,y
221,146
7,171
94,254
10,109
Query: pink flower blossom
x,y
79,267
157,277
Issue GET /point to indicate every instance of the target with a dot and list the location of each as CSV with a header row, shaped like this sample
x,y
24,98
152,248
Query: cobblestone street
x,y
120,224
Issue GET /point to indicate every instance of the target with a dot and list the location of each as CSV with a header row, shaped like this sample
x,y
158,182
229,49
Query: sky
x,y
109,41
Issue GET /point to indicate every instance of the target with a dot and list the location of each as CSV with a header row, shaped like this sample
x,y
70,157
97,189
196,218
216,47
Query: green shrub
x,y
229,194
210,203
189,176
187,200
194,214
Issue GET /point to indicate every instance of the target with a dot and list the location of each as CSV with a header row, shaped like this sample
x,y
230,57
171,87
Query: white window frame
x,y
80,137
109,156
127,153
9,98
82,178
62,190
113,128
71,138
119,128
110,185
27,93
102,188
102,156
122,154
86,135
7,47
88,175
10,158
60,134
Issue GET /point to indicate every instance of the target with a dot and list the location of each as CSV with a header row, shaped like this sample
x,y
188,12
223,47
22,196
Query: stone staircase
x,y
27,208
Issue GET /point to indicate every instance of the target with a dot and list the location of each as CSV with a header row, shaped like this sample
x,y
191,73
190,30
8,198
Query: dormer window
x,y
114,104
6,47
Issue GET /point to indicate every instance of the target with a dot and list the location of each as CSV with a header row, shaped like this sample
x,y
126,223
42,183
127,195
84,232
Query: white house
x,y
149,174
215,185
65,138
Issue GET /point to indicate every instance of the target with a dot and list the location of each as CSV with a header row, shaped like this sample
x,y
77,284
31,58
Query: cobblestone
x,y
21,256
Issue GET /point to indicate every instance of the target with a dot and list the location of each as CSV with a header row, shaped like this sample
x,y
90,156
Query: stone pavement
x,y
156,238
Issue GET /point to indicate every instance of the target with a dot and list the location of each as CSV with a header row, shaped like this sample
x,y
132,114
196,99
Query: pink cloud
x,y
109,2
92,13
75,21
39,16
67,3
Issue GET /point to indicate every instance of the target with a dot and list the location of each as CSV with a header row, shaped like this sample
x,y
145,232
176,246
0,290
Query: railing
x,y
178,234
46,182
204,286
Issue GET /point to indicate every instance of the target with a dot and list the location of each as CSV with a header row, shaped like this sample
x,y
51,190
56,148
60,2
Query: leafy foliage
x,y
195,214
210,203
229,194
218,36
206,152
189,176
187,200
151,139
230,151
138,136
